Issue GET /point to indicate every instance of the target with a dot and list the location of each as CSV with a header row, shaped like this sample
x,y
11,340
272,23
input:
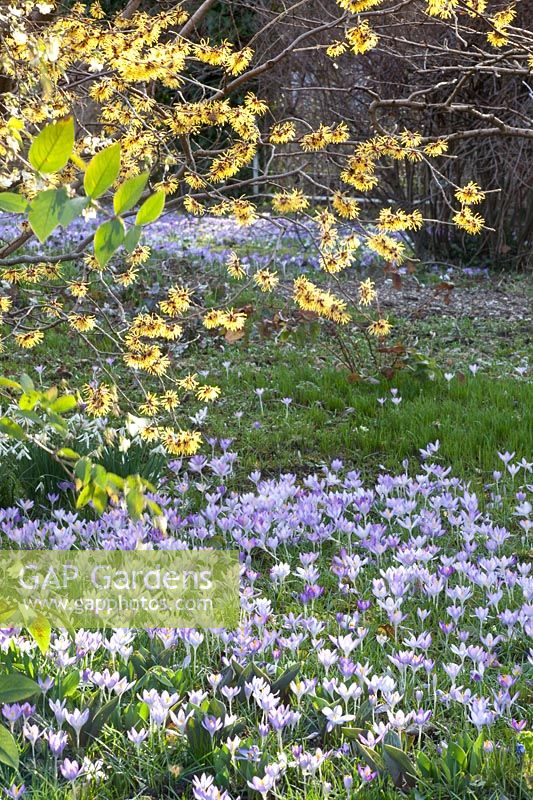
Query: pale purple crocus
x,y
260,393
77,720
70,770
212,724
262,785
336,717
57,741
286,402
365,773
14,791
137,737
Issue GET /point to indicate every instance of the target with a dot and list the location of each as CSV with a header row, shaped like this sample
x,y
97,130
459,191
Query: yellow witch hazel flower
x,y
194,181
475,7
317,140
380,328
389,220
336,49
367,292
362,38
345,206
288,202
243,210
310,298
471,194
180,442
498,36
442,8
233,320
29,339
150,407
169,400
100,399
213,319
189,382
140,255
237,62
266,279
178,301
387,247
207,393
282,132
468,220
78,289
234,267
355,6
193,206
436,148
82,322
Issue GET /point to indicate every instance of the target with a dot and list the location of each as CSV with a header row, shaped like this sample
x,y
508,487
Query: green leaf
x,y
29,400
65,403
129,193
102,171
94,727
475,755
155,508
401,759
15,687
198,738
114,482
9,753
392,737
10,384
41,632
107,239
27,383
46,211
372,758
52,148
12,429
56,421
455,757
131,240
283,682
70,684
9,201
217,708
99,476
352,733
424,765
151,209
99,500
85,496
50,394
135,503
82,470
72,209
399,766
69,454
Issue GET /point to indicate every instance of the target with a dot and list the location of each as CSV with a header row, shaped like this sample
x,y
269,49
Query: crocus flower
x,y
70,770
335,717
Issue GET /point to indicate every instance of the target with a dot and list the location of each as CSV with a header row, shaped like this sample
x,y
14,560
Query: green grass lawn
x,y
331,417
